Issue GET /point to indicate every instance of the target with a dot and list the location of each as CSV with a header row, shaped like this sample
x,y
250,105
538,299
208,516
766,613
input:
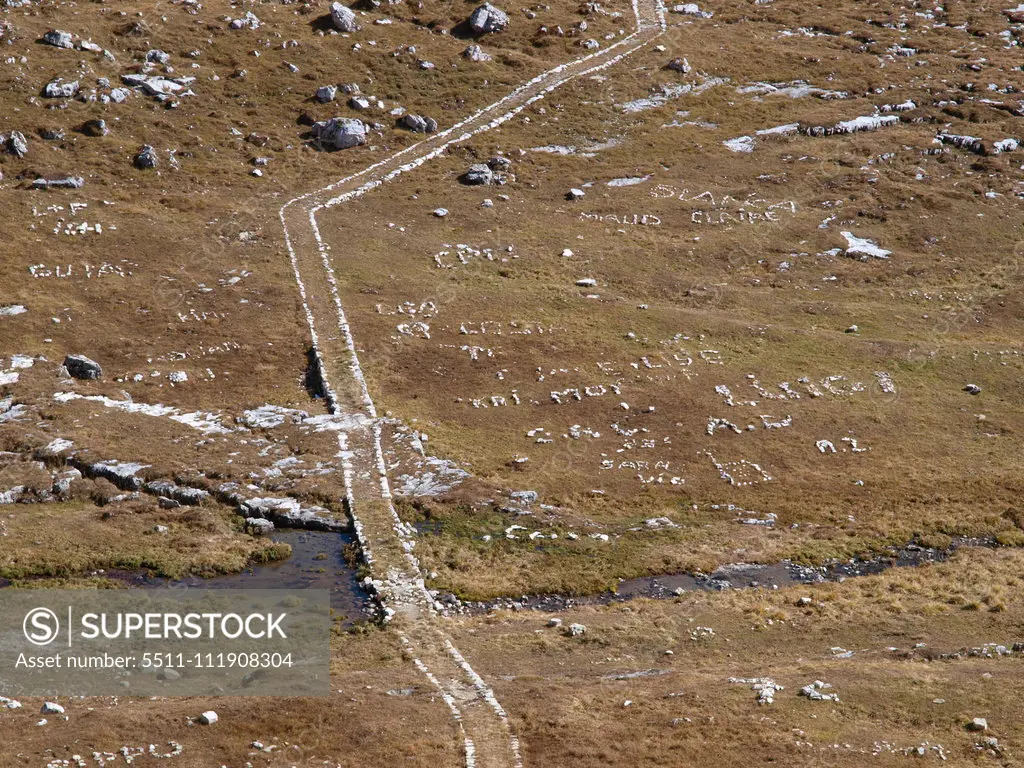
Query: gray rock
x,y
81,367
17,144
487,19
575,194
249,21
181,494
476,53
343,18
50,708
52,134
156,56
978,724
58,89
66,182
524,497
359,103
576,630
679,65
499,163
290,513
972,389
339,133
417,123
95,128
169,674
258,526
326,93
146,158
478,174
59,39
208,718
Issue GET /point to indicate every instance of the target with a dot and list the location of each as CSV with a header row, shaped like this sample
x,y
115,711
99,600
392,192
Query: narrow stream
x,y
317,562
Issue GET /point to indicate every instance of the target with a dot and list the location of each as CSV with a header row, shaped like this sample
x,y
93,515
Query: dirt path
x,y
386,543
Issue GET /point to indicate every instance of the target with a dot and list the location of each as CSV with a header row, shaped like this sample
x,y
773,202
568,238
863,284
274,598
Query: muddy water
x,y
317,562
735,576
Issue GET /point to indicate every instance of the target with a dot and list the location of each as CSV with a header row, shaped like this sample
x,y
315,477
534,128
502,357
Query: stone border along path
x,y
387,542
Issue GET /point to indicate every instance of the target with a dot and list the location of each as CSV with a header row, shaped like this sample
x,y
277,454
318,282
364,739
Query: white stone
x,y
344,18
487,19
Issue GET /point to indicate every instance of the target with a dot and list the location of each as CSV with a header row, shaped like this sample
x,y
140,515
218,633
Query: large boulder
x,y
81,367
17,144
339,133
146,157
478,174
343,18
59,39
487,19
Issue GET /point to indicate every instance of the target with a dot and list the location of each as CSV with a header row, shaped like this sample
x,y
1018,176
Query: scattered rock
x,y
554,622
326,93
586,282
680,65
343,18
576,630
440,212
476,53
862,248
249,21
95,128
417,123
978,724
258,527
487,19
50,708
575,194
58,89
59,39
156,56
81,367
972,389
816,692
208,718
852,329
691,9
339,132
17,144
146,158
